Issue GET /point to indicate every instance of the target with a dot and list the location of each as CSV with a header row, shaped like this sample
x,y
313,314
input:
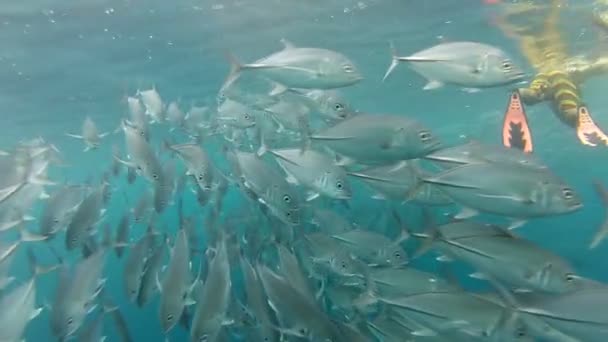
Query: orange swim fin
x,y
515,130
587,131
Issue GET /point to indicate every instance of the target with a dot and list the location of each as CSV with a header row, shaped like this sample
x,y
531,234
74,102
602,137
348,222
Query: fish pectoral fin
x,y
482,66
471,90
431,85
189,301
478,275
35,313
444,258
311,195
466,213
516,224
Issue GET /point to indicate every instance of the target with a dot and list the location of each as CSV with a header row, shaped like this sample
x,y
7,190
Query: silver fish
x,y
90,135
257,303
308,68
460,311
213,299
378,139
175,115
88,214
22,303
76,293
395,181
148,280
330,104
235,114
373,247
477,152
268,185
298,315
508,190
135,266
466,64
316,171
142,156
494,251
197,161
59,209
153,104
175,284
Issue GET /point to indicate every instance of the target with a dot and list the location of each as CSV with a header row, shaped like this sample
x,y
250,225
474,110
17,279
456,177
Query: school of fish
x,y
288,263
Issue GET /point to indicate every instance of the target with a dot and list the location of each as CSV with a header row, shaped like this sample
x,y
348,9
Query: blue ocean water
x,y
64,60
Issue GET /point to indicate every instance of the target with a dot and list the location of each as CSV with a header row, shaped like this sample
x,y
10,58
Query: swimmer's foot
x,y
515,130
587,131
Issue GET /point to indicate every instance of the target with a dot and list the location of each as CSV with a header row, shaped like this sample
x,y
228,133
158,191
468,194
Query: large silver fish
x,y
477,152
295,67
495,252
466,64
378,139
509,190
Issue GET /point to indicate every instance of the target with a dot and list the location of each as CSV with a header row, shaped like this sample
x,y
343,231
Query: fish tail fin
x,y
601,233
235,70
394,61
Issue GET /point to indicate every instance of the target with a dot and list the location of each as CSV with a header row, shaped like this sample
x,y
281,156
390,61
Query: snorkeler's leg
x,y
515,130
587,131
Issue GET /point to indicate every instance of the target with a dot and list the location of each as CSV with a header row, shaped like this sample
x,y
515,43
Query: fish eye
x,y
287,199
155,176
70,321
338,106
339,185
397,254
570,277
247,116
567,193
506,65
169,317
200,177
424,136
348,68
203,338
56,220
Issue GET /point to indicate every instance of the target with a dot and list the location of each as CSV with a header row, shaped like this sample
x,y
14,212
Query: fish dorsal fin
x,y
287,44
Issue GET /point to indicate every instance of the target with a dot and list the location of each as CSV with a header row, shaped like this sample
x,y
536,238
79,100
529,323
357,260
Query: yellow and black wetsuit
x,y
557,80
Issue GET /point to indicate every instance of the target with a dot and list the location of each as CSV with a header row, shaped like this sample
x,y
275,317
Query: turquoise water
x,y
63,60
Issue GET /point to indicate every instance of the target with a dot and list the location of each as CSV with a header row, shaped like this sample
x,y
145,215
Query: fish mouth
x,y
434,147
